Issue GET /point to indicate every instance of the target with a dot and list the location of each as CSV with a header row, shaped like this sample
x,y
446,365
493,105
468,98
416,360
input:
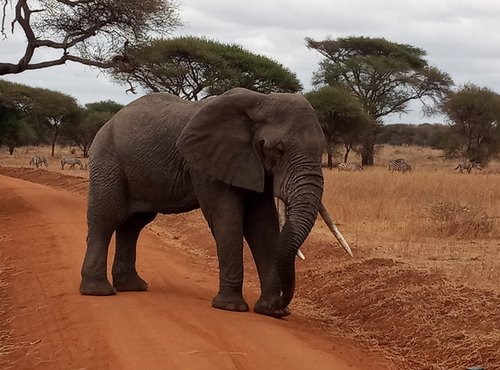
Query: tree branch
x,y
4,14
10,68
96,28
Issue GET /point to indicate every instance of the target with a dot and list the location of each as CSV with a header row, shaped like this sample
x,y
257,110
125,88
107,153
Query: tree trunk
x,y
367,153
347,150
11,149
329,153
55,133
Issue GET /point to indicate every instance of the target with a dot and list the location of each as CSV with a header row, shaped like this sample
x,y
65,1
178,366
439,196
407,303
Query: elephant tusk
x,y
333,228
281,212
282,218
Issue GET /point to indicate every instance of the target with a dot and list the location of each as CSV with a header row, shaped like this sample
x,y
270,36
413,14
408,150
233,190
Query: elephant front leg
x,y
222,207
261,230
230,255
125,276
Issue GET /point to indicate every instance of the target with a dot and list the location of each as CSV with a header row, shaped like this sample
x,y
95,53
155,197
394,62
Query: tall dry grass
x,y
432,216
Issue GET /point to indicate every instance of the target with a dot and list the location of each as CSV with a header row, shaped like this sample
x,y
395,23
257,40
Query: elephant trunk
x,y
302,195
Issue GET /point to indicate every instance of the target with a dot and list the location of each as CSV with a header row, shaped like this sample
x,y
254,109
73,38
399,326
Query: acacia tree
x,y
91,32
341,116
91,118
475,114
14,130
383,75
52,109
14,107
194,68
43,110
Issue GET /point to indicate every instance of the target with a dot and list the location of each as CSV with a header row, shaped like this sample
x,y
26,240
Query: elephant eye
x,y
272,152
280,149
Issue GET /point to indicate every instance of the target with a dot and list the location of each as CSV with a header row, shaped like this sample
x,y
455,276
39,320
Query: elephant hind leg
x,y
125,276
94,276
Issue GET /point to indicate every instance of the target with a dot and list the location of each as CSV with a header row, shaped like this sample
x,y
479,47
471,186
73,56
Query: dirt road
x,y
172,326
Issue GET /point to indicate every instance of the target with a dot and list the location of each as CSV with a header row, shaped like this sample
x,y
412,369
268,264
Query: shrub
x,y
462,220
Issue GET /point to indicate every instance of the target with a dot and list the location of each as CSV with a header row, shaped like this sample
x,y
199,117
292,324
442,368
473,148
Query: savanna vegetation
x,y
34,116
383,76
424,285
195,68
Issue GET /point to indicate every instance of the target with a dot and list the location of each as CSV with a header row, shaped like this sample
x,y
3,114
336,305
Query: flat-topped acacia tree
x,y
194,68
385,76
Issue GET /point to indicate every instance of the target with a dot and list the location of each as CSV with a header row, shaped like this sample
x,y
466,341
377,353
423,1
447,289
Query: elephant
x,y
229,155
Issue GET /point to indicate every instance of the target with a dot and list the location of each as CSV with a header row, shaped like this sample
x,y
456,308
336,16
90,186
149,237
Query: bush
x,y
461,220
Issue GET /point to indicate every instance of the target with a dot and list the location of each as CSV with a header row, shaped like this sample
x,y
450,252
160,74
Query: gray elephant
x,y
228,155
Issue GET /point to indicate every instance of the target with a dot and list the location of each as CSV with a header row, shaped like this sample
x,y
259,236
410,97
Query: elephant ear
x,y
217,140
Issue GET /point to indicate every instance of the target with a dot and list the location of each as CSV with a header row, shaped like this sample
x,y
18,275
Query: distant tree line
x,y
34,116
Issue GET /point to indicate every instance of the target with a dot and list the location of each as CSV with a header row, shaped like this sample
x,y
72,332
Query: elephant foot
x,y
264,307
230,303
90,286
129,283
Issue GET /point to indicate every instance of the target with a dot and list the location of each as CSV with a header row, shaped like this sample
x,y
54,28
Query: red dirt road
x,y
172,326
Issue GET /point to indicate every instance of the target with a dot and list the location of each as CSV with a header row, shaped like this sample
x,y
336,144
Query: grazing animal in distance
x,y
72,162
349,167
38,161
399,165
468,166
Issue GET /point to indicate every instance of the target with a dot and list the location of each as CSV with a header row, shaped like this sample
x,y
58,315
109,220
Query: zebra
x,y
399,165
349,167
38,161
468,166
72,162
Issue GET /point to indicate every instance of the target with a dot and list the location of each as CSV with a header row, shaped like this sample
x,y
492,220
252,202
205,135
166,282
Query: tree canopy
x,y
341,116
475,115
31,113
194,68
91,118
91,32
384,76
15,103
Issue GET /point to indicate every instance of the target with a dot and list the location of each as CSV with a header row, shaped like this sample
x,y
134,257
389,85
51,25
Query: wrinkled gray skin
x,y
229,155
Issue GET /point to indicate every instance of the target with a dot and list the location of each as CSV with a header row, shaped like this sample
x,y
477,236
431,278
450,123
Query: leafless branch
x,y
4,14
131,88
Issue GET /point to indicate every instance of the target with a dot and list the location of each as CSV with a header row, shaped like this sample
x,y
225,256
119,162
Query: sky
x,y
461,37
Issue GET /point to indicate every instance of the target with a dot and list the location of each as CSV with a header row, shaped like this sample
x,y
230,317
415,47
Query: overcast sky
x,y
461,37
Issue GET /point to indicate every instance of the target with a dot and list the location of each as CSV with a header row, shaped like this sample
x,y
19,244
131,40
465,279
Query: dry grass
x,y
415,317
426,218
424,287
23,155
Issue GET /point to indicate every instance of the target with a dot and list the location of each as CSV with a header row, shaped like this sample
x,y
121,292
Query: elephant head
x,y
243,138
